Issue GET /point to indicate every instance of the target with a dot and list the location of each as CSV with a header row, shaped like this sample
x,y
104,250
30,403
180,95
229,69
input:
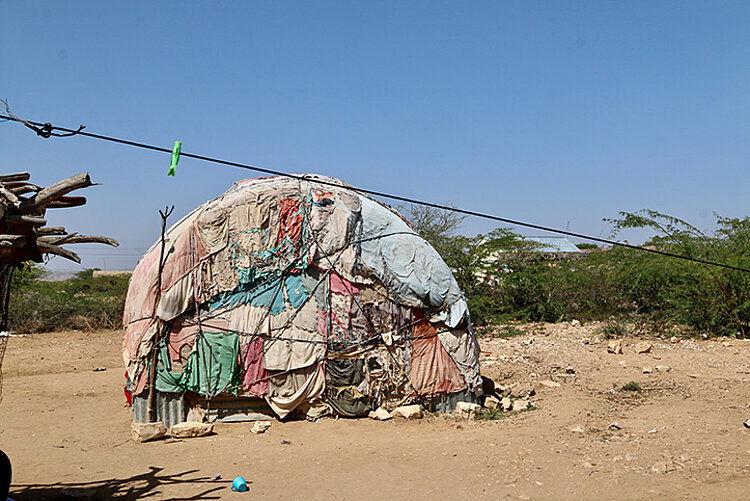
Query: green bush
x,y
505,280
83,302
631,386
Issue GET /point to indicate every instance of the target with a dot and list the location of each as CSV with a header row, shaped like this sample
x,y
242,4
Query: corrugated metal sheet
x,y
230,409
447,403
170,408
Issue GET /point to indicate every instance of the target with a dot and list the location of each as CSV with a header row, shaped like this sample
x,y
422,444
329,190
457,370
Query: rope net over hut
x,y
311,297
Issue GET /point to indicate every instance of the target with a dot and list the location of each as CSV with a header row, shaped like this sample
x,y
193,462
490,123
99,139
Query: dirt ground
x,y
680,437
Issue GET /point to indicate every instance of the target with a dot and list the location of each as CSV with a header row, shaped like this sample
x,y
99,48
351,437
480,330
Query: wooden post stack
x,y
24,235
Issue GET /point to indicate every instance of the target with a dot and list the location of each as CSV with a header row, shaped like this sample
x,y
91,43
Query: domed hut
x,y
296,295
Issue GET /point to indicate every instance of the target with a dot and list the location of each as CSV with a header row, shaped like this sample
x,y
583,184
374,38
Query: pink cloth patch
x,y
432,371
342,285
179,336
323,323
254,375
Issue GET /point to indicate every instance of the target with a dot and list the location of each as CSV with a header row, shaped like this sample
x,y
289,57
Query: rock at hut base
x,y
467,410
143,432
260,427
523,391
408,411
190,429
492,403
520,405
507,403
380,414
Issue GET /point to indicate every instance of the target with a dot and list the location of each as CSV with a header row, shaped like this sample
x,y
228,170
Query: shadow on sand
x,y
141,486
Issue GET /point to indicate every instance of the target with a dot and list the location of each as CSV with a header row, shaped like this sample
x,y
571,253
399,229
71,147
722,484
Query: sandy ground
x,y
681,437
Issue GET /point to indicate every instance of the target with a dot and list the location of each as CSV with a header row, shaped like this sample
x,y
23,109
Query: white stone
x,y
502,390
523,391
143,432
380,414
468,410
660,467
507,404
260,427
663,368
643,347
647,370
409,411
520,405
549,384
491,402
576,429
190,429
615,347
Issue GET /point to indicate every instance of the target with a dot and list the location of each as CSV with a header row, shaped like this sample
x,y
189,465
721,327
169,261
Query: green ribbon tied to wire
x,y
175,157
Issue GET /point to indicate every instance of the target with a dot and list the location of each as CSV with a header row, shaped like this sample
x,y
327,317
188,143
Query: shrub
x,y
83,302
504,280
631,386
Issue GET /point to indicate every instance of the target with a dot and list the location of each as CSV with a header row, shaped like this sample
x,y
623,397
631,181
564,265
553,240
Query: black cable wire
x,y
80,132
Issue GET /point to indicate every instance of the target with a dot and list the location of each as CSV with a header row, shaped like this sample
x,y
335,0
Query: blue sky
x,y
558,113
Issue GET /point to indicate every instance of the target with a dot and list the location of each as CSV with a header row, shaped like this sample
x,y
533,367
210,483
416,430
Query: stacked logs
x,y
24,235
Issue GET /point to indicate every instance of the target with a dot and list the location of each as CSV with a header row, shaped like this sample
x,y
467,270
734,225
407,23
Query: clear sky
x,y
558,113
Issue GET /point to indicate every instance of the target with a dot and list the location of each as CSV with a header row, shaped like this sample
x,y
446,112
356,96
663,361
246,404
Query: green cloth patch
x,y
212,368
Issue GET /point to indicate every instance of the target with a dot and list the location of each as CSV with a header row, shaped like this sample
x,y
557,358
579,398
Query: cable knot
x,y
45,131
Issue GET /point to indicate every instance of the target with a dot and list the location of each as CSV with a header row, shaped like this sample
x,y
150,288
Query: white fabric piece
x,y
287,391
212,227
463,348
454,314
176,300
294,352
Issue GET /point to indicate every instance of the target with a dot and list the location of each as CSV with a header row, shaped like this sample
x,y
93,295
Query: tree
x,y
437,226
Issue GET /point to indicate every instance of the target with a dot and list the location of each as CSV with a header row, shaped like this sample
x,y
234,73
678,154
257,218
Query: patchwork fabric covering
x,y
303,294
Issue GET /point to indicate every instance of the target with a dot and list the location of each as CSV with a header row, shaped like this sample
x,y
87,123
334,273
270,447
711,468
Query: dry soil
x,y
680,437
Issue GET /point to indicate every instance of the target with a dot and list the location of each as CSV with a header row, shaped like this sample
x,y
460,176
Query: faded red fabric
x,y
140,307
342,285
140,303
140,384
179,336
432,370
321,196
128,395
323,323
291,220
254,375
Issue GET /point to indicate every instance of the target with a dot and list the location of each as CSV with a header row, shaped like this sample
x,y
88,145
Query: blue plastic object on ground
x,y
239,485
